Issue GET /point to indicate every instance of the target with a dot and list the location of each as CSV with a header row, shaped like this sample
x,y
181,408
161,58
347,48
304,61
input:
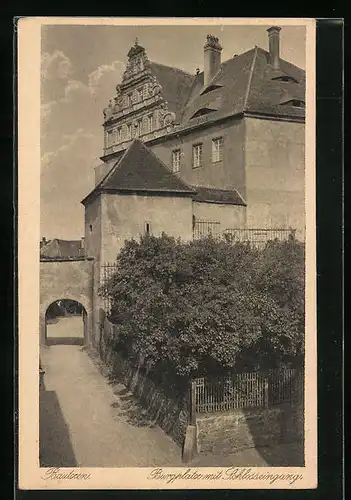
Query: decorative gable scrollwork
x,y
139,108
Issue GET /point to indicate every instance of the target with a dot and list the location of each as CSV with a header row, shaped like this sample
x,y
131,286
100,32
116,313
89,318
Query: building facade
x,y
222,148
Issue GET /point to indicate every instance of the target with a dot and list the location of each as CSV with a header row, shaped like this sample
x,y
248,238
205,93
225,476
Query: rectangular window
x,y
197,155
138,127
150,123
130,99
146,90
140,94
129,131
217,149
176,160
109,138
119,134
147,228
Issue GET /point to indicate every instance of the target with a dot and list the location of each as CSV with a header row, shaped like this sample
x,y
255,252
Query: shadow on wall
x,y
290,453
55,448
65,341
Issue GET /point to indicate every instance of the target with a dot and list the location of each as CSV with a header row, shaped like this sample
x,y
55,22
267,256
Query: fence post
x,y
266,392
192,397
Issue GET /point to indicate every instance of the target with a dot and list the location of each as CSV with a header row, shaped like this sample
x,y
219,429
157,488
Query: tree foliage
x,y
189,309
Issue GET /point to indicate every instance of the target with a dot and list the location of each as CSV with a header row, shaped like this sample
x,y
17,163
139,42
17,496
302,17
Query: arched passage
x,y
86,316
66,280
66,322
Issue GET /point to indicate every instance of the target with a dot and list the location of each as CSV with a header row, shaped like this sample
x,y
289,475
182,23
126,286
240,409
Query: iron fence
x,y
247,390
106,272
258,237
205,228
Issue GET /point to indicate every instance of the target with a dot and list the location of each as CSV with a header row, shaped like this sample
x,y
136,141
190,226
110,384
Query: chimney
x,y
274,39
212,58
43,242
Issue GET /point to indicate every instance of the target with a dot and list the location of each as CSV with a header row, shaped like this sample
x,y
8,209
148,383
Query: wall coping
x,y
65,259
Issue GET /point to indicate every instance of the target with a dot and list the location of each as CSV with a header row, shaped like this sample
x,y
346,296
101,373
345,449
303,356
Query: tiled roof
x,y
176,85
140,170
247,83
233,78
62,248
222,196
265,93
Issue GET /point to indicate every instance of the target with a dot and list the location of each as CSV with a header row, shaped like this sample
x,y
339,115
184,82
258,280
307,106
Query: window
x,y
138,127
150,123
147,228
129,131
146,90
296,103
130,99
176,160
285,78
119,134
109,138
217,149
197,155
90,228
210,88
202,112
139,93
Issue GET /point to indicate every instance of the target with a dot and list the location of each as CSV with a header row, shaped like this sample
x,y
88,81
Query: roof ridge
x,y
173,67
250,77
113,168
284,61
165,166
118,179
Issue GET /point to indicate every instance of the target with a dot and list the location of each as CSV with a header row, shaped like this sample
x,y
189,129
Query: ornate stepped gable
x,y
139,108
154,100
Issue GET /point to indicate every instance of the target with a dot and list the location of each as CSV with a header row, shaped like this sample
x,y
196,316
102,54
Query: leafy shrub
x,y
189,309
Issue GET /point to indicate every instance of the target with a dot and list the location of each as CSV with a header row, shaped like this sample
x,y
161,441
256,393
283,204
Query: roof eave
x,y
218,202
156,191
275,116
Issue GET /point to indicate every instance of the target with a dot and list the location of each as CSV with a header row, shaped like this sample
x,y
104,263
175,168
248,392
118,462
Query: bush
x,y
190,309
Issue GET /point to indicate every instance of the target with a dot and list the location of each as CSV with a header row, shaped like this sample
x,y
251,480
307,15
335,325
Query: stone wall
x,y
230,216
275,174
225,433
124,216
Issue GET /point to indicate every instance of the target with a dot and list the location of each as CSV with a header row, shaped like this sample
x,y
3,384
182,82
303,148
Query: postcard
x,y
167,253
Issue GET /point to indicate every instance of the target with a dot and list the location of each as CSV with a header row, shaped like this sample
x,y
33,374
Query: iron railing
x,y
106,272
248,390
258,237
205,228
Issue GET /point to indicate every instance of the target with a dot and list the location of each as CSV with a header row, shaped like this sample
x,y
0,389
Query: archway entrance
x,y
65,323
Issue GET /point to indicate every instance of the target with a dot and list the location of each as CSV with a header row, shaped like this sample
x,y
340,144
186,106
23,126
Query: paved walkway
x,y
85,422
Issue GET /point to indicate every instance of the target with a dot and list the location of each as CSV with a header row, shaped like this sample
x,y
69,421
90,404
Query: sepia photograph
x,y
173,231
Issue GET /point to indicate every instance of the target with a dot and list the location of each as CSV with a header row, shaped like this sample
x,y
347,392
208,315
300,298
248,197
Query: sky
x,y
80,68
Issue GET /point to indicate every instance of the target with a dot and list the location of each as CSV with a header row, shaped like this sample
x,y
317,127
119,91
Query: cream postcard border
x,y
30,475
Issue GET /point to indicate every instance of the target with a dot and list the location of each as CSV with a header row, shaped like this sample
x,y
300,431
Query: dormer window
x,y
210,88
202,112
285,78
296,103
